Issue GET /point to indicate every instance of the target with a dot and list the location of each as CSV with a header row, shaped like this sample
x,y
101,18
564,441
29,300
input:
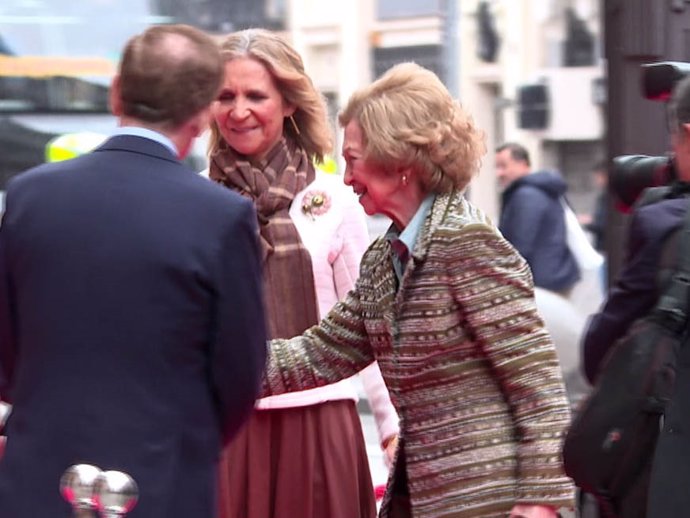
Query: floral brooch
x,y
315,203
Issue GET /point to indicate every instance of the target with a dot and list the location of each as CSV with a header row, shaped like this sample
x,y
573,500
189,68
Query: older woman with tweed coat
x,y
446,306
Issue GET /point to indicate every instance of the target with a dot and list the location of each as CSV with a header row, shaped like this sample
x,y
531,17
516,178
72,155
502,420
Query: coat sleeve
x,y
335,349
632,296
387,422
238,345
8,346
493,287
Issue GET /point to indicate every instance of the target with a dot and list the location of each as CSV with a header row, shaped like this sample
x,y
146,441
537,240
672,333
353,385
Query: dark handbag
x,y
612,438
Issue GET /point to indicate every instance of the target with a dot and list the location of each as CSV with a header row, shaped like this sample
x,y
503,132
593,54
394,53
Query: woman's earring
x,y
294,125
404,179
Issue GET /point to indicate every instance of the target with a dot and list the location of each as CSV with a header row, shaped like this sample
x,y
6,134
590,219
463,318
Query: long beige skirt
x,y
306,462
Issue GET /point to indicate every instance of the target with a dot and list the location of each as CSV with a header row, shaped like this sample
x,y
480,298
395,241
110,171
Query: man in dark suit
x,y
662,490
132,334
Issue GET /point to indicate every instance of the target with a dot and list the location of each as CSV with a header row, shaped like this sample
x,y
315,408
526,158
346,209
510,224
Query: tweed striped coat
x,y
471,370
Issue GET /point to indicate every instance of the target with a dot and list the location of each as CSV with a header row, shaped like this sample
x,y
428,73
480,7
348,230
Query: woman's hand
x,y
389,446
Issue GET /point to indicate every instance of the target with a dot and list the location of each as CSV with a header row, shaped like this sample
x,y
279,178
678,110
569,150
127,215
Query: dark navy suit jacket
x,y
132,334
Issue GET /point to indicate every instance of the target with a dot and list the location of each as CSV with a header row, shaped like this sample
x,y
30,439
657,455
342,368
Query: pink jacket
x,y
336,236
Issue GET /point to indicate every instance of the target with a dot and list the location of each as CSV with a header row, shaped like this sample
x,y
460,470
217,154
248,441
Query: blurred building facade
x,y
528,70
544,86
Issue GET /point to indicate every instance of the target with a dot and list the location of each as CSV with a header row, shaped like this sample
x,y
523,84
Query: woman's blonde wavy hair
x,y
287,69
409,119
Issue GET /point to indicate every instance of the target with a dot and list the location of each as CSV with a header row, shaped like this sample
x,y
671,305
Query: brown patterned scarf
x,y
272,185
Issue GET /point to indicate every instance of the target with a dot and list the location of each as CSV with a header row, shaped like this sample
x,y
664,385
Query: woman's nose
x,y
347,176
239,110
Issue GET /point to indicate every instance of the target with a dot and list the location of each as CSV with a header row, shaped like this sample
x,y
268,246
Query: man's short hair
x,y
169,73
517,151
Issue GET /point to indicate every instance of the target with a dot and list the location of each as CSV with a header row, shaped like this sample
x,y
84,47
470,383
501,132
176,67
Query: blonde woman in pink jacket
x,y
302,455
332,226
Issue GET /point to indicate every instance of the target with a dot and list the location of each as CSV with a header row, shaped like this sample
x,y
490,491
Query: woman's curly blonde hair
x,y
287,69
409,119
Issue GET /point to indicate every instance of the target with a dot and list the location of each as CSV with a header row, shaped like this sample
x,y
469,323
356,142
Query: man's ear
x,y
200,122
190,130
686,127
114,98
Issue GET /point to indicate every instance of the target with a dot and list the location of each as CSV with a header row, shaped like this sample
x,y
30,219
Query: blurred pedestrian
x,y
446,306
303,454
596,223
132,334
532,218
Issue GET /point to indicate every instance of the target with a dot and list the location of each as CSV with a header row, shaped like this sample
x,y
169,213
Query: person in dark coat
x,y
533,221
646,270
132,334
532,218
597,224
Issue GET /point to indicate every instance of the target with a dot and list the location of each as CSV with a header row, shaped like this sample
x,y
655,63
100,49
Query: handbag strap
x,y
671,309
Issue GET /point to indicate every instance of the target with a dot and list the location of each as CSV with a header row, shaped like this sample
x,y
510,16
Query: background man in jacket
x,y
532,218
131,318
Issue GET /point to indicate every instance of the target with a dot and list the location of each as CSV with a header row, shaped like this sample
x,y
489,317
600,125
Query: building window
x,y
579,47
489,41
428,56
388,9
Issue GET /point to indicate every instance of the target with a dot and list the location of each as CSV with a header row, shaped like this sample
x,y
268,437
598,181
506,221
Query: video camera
x,y
631,174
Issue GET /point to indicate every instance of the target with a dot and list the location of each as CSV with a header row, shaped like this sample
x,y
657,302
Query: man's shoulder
x,y
539,184
40,175
528,198
524,192
213,197
671,210
216,191
656,219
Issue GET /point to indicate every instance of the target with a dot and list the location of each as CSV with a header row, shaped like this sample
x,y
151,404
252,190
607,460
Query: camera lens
x,y
632,174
